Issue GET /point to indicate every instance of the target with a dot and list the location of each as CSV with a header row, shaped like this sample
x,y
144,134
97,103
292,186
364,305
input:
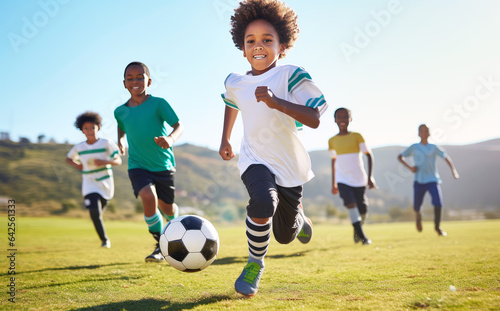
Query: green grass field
x,y
60,266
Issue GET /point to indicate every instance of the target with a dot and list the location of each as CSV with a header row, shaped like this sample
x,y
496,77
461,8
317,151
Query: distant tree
x,y
41,137
24,140
52,141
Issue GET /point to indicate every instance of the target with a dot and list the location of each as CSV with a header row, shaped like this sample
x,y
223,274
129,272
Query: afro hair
x,y
88,116
277,13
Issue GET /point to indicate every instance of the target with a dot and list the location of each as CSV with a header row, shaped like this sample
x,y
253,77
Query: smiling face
x,y
262,46
342,118
90,130
136,80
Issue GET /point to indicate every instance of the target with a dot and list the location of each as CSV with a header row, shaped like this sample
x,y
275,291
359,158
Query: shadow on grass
x,y
86,280
86,267
231,260
156,304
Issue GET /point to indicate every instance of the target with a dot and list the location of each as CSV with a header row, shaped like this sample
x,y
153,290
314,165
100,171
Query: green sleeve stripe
x,y
114,154
294,74
103,178
295,81
316,102
299,125
92,151
97,170
229,102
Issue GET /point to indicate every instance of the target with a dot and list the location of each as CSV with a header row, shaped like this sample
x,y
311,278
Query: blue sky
x,y
395,64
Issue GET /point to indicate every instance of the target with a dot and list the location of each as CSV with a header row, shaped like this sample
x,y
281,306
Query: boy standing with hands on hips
x,y
274,101
426,176
151,162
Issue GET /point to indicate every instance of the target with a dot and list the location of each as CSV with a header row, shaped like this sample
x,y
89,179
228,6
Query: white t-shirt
x,y
95,179
271,137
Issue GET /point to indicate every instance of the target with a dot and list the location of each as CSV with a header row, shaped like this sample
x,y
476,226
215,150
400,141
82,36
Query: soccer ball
x,y
189,243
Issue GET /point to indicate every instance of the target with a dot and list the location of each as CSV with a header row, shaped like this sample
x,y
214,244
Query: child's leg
x,y
165,189
94,202
288,219
142,182
348,195
419,191
263,193
151,213
362,202
261,187
437,202
169,211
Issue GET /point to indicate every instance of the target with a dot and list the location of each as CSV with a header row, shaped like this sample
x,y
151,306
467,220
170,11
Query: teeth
x,y
259,56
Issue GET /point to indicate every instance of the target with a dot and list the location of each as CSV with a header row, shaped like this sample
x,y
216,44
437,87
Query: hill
x,y
36,175
478,166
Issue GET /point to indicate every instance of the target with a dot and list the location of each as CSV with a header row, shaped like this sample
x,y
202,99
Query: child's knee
x,y
262,206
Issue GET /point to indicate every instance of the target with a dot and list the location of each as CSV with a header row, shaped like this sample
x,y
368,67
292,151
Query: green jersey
x,y
142,124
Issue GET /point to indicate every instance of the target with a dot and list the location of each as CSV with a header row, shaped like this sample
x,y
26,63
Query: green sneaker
x,y
306,232
247,283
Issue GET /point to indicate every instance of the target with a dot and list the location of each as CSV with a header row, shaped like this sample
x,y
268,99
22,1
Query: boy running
x,y
151,163
94,157
349,177
274,101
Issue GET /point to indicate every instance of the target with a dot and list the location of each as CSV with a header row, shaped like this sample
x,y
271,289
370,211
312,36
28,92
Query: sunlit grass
x,y
59,265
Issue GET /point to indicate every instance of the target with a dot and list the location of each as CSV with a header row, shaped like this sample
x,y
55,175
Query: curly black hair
x,y
88,116
277,13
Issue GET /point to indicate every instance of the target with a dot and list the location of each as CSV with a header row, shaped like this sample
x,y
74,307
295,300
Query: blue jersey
x,y
424,157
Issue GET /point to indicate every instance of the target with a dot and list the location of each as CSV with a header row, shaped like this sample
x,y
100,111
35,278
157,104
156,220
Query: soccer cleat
x,y
306,232
367,241
419,222
247,283
357,238
156,255
106,244
441,232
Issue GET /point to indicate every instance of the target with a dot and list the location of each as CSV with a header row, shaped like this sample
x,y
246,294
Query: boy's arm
x,y
335,188
450,164
226,150
305,115
168,141
371,180
121,140
115,161
402,160
72,162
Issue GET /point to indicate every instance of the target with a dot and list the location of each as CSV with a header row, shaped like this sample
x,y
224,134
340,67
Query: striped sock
x,y
155,222
258,240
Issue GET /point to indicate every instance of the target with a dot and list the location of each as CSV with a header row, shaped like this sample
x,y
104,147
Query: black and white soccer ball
x,y
189,243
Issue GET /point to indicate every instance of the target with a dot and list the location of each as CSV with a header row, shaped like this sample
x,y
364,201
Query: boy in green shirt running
x,y
151,163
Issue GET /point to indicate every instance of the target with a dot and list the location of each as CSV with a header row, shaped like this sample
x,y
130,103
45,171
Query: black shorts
x,y
95,200
354,195
163,182
267,199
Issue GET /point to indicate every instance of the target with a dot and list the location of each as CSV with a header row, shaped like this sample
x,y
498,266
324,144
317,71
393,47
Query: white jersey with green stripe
x,y
95,179
271,137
